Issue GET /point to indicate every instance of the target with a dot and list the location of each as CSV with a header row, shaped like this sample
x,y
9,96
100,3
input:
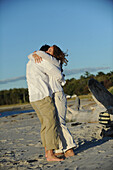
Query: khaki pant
x,y
46,113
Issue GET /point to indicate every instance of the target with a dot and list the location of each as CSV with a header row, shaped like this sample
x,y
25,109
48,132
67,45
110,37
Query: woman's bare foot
x,y
69,153
52,157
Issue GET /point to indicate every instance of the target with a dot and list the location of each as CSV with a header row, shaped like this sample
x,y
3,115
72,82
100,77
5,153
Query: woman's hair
x,y
60,55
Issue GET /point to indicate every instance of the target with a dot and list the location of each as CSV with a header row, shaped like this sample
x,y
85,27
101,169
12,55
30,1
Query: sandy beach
x,y
21,147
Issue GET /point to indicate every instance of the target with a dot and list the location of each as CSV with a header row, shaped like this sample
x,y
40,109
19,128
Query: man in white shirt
x,y
40,96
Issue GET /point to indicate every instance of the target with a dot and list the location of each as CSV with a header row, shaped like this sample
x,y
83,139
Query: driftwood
x,y
101,94
103,97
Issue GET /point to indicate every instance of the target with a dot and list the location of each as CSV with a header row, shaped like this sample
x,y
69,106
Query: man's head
x,y
44,47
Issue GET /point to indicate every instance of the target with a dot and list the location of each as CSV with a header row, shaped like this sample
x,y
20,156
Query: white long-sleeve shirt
x,y
38,79
54,83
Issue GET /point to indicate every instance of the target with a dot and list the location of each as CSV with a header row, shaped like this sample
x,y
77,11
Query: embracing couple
x,y
45,80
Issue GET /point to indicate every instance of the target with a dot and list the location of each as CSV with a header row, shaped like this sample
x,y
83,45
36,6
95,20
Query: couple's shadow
x,y
91,144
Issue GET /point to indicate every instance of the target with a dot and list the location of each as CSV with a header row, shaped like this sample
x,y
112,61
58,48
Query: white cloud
x,y
12,79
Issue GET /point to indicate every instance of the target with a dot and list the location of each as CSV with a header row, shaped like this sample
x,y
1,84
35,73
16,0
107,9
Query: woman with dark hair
x,y
67,143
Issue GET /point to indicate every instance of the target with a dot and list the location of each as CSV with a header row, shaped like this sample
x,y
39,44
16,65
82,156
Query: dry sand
x,y
21,147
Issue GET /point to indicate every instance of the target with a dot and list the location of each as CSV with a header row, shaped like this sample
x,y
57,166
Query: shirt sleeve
x,y
45,56
30,57
49,58
51,70
47,67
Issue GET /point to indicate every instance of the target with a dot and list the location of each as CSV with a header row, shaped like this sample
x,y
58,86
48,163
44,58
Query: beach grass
x,y
111,90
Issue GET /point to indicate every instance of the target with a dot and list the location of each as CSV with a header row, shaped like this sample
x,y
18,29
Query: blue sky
x,y
83,27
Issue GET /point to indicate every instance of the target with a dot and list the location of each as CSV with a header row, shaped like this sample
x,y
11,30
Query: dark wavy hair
x,y
60,55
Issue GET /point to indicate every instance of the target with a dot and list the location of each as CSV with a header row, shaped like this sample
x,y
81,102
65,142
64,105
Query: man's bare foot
x,y
52,157
69,153
59,154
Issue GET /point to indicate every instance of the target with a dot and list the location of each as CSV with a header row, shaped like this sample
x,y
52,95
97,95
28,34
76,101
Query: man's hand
x,y
37,58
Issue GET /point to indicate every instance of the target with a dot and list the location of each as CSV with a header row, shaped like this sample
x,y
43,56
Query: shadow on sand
x,y
91,144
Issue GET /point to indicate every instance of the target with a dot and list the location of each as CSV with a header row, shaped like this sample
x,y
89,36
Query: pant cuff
x,y
69,147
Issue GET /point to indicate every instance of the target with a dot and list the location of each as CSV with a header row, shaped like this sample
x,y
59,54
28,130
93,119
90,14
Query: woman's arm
x,y
34,56
37,58
40,55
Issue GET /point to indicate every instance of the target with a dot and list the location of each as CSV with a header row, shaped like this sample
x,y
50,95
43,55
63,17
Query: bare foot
x,y
59,154
54,158
69,153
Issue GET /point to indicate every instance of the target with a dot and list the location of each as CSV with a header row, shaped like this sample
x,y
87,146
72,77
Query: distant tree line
x,y
80,86
73,86
14,96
